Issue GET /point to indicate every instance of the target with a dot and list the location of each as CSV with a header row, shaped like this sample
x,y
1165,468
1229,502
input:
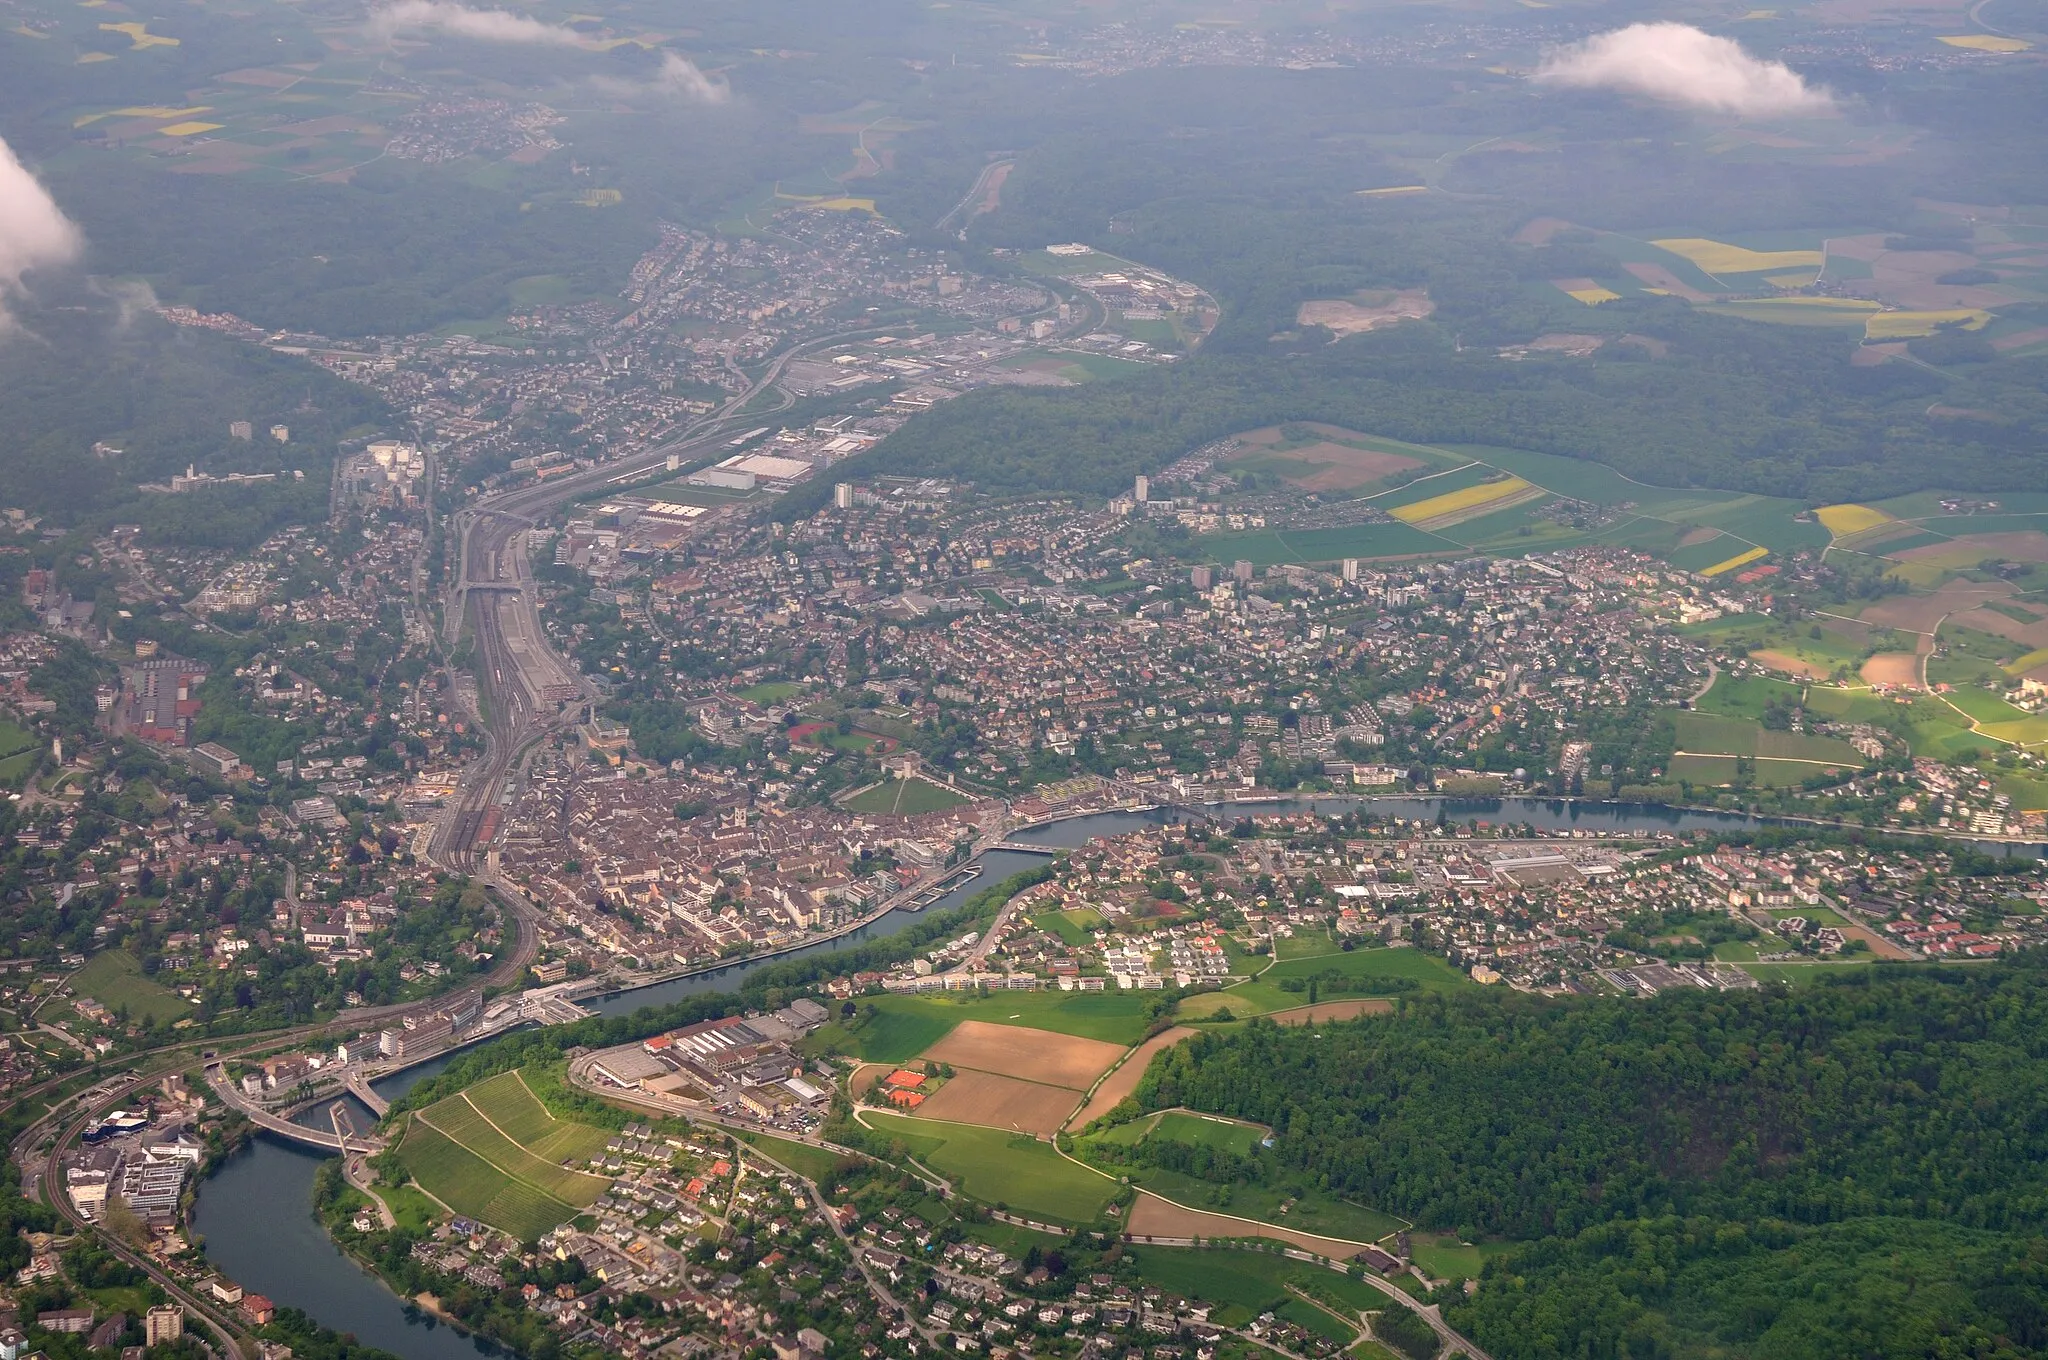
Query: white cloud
x,y
677,78
34,231
484,25
1679,64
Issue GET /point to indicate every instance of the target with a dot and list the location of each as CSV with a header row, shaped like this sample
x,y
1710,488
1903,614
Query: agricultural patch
x,y
1451,507
1718,257
1000,1102
1000,1167
1028,1054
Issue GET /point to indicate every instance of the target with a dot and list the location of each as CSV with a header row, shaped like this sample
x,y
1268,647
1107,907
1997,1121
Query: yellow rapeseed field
x,y
1739,560
1906,325
1718,257
188,129
1452,502
1844,520
1985,42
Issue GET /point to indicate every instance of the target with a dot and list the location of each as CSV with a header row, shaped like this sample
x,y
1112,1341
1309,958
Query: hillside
x,y
1874,1144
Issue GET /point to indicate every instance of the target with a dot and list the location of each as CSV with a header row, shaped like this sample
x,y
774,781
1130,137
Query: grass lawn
x,y
1007,1238
1745,696
132,1299
911,796
999,1167
1714,734
771,691
1800,973
1309,1211
905,1026
1072,925
1263,994
812,1163
1304,946
1446,1258
1244,1284
114,979
414,1211
1229,1135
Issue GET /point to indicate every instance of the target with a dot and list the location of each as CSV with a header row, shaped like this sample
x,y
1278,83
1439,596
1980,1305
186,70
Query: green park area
x,y
19,751
1360,973
114,978
771,691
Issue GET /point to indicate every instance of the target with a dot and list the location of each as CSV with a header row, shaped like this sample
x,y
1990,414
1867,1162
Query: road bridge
x,y
278,1124
359,1087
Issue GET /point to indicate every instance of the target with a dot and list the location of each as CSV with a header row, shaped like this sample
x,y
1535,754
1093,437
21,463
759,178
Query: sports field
x,y
905,796
495,1152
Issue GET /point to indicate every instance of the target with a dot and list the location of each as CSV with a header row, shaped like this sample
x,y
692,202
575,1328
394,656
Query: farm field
x,y
1027,1054
472,1187
463,1122
508,1102
1711,734
494,1152
1319,457
1181,1206
1001,1168
1244,1284
114,978
1009,1077
1452,507
999,1102
905,796
1124,1080
1190,1128
905,1026
1441,517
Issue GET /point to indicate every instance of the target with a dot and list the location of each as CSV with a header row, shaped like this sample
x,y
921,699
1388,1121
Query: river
x,y
255,1212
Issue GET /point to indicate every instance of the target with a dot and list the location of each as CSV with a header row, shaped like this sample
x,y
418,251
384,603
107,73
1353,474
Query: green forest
x,y
1859,1167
